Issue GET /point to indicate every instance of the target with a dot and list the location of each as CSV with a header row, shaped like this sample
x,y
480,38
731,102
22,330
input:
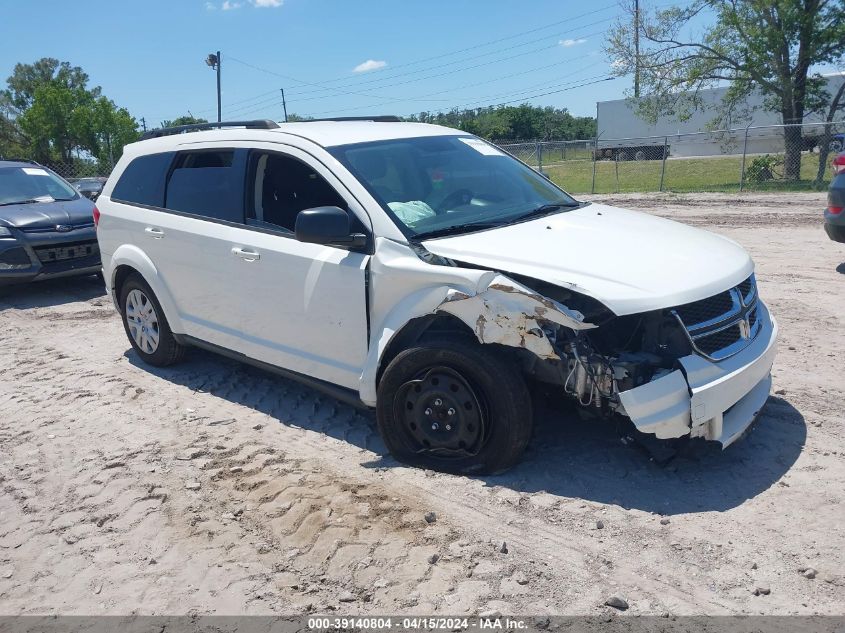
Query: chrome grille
x,y
706,310
722,325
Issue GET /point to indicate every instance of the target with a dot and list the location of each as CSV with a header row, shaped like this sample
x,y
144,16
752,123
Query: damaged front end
x,y
701,369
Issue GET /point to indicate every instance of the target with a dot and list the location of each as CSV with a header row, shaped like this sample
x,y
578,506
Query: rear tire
x,y
145,324
454,406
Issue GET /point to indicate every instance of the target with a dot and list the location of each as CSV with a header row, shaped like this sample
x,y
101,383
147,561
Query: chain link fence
x,y
77,170
768,158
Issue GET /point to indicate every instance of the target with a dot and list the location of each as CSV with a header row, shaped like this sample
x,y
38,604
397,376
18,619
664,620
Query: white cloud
x,y
229,5
369,65
568,43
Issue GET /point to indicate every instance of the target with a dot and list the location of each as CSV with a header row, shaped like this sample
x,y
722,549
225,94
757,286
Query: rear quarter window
x,y
142,182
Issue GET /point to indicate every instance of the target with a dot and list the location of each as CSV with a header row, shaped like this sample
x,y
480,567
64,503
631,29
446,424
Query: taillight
x,y
839,164
96,216
835,210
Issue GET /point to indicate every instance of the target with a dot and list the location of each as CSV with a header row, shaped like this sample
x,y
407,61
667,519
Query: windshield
x,y
439,185
32,184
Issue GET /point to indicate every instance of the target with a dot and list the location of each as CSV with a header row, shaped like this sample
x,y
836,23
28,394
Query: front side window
x,y
283,186
32,184
438,185
208,183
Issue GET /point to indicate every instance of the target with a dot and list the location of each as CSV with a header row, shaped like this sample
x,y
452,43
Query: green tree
x,y
766,45
103,129
58,116
26,79
12,141
525,122
47,123
183,120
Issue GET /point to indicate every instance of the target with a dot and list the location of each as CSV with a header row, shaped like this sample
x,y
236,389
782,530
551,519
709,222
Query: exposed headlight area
x,y
602,367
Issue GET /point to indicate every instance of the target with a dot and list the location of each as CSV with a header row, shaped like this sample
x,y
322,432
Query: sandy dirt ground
x,y
212,487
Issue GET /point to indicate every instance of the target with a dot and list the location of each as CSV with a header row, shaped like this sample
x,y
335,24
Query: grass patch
x,y
716,173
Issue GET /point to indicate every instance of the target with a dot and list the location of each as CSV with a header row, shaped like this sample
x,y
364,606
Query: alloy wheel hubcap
x,y
142,321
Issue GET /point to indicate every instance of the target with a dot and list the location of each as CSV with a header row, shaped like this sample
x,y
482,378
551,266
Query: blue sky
x,y
332,57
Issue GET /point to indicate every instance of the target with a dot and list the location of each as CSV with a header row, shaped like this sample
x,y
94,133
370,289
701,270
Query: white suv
x,y
425,273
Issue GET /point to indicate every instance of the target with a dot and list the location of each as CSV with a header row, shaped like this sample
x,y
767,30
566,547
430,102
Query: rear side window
x,y
142,182
208,183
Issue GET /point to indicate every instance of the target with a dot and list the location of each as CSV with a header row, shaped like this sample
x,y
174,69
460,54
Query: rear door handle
x,y
154,233
248,256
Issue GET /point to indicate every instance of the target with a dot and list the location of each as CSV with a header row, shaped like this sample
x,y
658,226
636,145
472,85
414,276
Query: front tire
x,y
454,406
145,324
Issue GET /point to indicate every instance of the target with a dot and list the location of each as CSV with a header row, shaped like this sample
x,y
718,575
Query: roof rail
x,y
383,118
258,124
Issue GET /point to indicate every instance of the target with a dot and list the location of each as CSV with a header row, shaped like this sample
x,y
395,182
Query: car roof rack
x,y
258,124
382,118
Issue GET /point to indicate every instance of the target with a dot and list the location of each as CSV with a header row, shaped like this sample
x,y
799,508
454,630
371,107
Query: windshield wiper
x,y
455,229
30,201
546,209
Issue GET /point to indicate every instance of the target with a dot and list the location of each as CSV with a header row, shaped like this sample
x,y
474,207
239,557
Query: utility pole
x,y
214,61
636,48
144,124
284,105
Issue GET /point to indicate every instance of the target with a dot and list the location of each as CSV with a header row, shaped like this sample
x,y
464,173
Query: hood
x,y
42,215
631,262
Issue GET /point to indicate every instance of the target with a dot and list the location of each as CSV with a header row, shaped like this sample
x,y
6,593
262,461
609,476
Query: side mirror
x,y
327,225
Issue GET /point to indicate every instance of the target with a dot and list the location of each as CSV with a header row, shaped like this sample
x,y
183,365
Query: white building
x,y
620,128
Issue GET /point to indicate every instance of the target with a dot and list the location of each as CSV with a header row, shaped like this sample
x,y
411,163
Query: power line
x,y
490,42
427,97
289,78
417,79
256,101
595,80
463,61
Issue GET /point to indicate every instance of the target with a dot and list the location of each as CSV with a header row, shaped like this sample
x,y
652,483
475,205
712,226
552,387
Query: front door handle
x,y
247,256
154,233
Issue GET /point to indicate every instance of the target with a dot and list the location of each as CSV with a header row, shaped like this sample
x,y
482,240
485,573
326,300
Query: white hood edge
x,y
631,262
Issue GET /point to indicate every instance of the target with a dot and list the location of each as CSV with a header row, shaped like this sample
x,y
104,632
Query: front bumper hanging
x,y
715,400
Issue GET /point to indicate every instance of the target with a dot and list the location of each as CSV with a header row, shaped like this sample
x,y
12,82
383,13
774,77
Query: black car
x,y
90,187
834,215
46,226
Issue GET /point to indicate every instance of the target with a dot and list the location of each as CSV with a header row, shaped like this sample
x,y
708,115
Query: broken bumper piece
x,y
715,400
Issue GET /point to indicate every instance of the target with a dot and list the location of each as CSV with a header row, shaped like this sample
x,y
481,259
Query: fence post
x,y
595,152
663,166
616,168
539,157
742,165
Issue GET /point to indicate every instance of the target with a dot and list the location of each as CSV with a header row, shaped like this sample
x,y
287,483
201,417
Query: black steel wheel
x,y
440,412
454,406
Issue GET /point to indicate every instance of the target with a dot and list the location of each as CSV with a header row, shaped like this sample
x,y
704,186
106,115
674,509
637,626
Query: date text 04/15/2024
x,y
416,623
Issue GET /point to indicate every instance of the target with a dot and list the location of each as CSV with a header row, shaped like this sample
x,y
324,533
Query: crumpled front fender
x,y
508,313
496,308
